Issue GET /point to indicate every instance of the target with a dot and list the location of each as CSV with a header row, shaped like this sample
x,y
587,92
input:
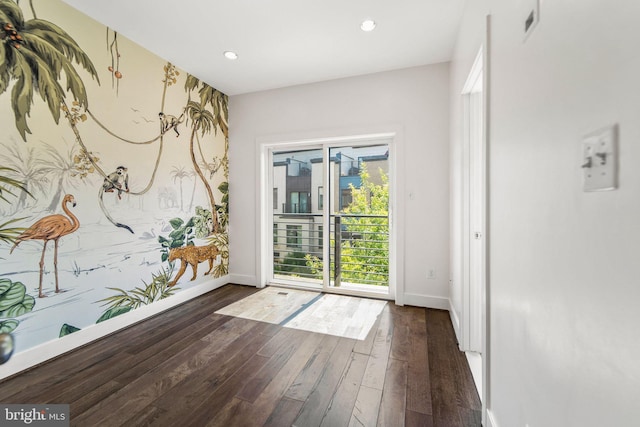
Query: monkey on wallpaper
x,y
168,121
117,181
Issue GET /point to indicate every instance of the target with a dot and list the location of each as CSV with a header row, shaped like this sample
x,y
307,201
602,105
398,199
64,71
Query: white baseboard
x,y
426,301
455,321
243,279
491,421
475,364
48,350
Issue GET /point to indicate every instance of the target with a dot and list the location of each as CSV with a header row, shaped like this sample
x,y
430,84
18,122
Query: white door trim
x,y
472,216
480,70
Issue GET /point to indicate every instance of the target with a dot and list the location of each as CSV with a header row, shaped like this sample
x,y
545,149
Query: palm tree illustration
x,y
61,170
24,168
7,184
8,187
192,174
204,121
179,173
34,53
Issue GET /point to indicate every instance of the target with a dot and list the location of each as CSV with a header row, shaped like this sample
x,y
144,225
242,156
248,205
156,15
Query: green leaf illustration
x,y
12,296
176,223
25,306
7,326
67,329
176,233
5,284
113,312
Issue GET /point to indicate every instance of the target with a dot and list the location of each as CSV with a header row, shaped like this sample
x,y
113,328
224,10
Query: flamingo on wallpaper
x,y
51,227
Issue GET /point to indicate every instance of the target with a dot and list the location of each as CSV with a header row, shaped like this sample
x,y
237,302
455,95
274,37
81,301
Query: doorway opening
x,y
329,208
474,222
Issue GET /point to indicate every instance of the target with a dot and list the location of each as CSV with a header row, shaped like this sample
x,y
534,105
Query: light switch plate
x,y
600,159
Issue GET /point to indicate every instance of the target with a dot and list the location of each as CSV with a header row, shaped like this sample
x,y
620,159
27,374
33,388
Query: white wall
x,y
564,286
414,102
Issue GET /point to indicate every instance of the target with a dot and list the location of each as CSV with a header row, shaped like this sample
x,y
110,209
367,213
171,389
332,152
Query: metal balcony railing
x,y
358,251
296,207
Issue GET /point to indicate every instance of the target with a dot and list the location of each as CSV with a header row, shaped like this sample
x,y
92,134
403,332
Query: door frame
x,y
265,219
482,61
473,217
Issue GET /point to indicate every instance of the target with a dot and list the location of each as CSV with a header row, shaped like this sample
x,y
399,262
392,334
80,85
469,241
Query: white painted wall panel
x,y
563,270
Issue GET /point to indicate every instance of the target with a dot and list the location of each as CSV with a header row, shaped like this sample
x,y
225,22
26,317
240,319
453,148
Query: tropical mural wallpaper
x,y
113,174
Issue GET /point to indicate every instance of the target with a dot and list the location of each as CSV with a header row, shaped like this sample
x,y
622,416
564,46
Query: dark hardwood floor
x,y
192,367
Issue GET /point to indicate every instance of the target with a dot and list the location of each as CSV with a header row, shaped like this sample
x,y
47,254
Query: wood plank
x,y
285,413
259,411
443,390
126,367
393,404
416,419
366,409
164,376
141,392
470,417
306,381
341,405
282,337
365,346
192,392
205,399
266,403
314,408
176,324
231,414
90,398
339,315
263,377
418,380
401,342
377,365
149,416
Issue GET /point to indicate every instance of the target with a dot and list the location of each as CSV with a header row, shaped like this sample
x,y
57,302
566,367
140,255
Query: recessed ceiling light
x,y
368,25
230,55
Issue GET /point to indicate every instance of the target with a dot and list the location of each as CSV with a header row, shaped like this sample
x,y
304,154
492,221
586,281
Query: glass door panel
x,y
359,217
297,218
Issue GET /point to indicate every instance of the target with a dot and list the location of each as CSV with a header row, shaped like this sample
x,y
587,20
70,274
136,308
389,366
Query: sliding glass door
x,y
331,217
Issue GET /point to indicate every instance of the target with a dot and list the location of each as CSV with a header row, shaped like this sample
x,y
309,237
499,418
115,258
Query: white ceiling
x,y
283,42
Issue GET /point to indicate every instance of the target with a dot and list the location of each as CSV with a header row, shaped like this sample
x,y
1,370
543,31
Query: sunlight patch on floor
x,y
338,315
272,305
